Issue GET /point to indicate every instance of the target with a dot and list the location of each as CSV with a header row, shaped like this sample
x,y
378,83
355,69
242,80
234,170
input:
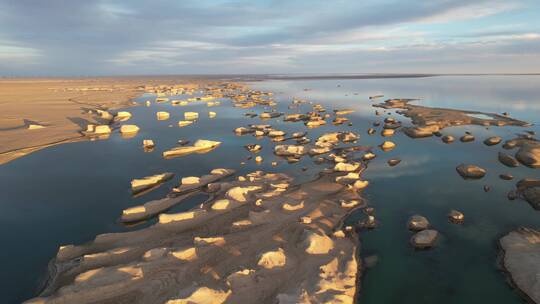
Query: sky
x,y
123,37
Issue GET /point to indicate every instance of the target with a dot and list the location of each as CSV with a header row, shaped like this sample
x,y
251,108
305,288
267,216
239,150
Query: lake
x,y
67,194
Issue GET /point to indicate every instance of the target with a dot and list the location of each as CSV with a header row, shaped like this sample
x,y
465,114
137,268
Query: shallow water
x,y
70,193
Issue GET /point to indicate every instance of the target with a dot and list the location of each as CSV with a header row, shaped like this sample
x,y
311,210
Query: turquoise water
x,y
69,193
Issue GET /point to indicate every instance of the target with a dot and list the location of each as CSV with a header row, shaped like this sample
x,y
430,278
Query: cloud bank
x,y
57,37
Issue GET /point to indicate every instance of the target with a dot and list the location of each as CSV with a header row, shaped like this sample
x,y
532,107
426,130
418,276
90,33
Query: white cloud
x,y
16,53
472,11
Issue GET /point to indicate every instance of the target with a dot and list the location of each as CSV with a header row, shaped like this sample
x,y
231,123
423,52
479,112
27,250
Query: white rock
x,y
183,123
129,129
273,259
190,180
346,167
122,116
102,129
317,244
191,115
161,115
35,127
148,143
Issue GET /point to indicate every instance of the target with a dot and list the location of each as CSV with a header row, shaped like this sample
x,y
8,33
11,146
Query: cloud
x,y
240,36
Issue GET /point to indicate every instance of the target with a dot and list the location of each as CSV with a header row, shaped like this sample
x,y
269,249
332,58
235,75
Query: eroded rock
x,y
470,171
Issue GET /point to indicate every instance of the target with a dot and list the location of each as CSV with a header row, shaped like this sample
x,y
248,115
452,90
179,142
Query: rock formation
x,y
248,249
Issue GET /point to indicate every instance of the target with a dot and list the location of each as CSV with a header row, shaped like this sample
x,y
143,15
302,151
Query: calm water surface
x,y
69,193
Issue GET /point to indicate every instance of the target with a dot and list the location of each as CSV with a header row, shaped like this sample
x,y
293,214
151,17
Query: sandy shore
x,y
62,106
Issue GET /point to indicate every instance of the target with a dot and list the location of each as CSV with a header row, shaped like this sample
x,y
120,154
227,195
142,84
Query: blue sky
x,y
79,38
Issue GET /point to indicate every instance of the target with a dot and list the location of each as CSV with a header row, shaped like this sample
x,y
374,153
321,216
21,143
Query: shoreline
x,y
36,114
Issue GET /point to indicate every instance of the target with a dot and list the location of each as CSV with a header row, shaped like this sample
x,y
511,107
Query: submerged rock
x,y
530,190
417,223
512,195
508,160
424,239
521,259
369,223
528,153
470,171
506,176
494,140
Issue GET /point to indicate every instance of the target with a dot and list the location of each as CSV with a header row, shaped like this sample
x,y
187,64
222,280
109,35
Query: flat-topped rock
x,y
467,138
530,190
387,145
162,115
491,141
191,115
289,150
470,171
122,116
138,185
424,239
200,146
528,152
102,129
419,132
129,129
417,223
521,259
